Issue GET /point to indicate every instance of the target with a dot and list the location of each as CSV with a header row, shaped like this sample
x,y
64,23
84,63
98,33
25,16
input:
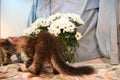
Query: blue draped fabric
x,y
40,8
100,29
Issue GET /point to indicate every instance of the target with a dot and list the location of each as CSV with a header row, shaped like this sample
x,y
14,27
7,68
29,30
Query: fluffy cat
x,y
46,47
6,51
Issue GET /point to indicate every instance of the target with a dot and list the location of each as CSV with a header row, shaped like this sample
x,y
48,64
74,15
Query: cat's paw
x,y
22,68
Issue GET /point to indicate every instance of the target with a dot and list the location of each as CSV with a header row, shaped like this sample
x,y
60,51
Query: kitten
x,y
6,51
46,47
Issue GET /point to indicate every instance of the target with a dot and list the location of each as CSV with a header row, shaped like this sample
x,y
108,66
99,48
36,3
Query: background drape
x,y
100,29
118,30
107,29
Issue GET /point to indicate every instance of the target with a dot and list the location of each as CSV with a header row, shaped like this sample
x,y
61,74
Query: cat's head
x,y
20,43
4,42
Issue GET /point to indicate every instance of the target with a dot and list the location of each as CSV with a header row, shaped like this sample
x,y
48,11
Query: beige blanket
x,y
104,72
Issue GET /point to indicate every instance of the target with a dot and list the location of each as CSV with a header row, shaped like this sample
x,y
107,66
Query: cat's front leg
x,y
37,64
26,65
28,62
19,57
7,59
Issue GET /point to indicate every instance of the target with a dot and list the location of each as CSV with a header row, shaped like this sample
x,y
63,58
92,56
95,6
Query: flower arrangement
x,y
64,26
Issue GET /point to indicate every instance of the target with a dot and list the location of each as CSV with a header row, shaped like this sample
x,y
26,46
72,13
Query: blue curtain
x,y
38,10
100,30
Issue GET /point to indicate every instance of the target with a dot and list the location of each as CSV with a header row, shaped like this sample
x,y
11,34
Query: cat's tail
x,y
64,68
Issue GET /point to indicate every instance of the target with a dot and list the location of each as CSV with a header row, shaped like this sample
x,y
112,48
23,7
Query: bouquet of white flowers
x,y
64,26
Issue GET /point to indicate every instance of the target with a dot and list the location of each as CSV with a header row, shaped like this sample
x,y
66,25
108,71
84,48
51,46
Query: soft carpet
x,y
104,71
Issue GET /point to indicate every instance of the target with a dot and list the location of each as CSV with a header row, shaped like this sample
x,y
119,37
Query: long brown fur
x,y
47,47
6,51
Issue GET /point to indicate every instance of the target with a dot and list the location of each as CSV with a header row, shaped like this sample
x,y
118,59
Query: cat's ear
x,y
14,40
2,42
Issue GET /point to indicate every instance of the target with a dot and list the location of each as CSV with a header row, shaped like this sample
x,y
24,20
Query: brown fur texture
x,y
46,47
6,51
